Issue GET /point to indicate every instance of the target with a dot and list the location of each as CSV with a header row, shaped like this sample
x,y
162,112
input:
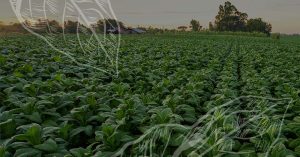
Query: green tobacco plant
x,y
160,102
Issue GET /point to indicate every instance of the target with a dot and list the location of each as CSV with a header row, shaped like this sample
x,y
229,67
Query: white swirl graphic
x,y
215,133
98,51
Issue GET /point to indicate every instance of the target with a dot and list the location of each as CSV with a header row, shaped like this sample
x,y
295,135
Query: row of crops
x,y
174,96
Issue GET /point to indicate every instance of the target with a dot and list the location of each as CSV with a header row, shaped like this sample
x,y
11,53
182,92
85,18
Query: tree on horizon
x,y
229,18
195,25
258,25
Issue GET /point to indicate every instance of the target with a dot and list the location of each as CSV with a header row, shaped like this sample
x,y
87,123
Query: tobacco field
x,y
175,95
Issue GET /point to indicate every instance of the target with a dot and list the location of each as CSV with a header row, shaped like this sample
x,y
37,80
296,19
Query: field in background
x,y
50,106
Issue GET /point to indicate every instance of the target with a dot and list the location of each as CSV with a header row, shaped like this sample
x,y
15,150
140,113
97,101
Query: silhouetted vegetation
x,y
182,28
258,25
107,24
275,36
195,25
229,18
53,26
12,27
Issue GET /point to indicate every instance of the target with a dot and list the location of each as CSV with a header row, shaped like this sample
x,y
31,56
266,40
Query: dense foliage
x,y
53,26
195,25
258,25
51,107
229,18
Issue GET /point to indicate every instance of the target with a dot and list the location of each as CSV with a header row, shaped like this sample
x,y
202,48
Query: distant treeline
x,y
12,27
53,26
228,19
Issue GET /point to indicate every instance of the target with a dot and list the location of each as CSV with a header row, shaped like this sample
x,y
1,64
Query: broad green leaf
x,y
7,128
297,150
57,58
2,151
34,117
80,152
34,134
44,102
27,68
91,100
2,60
28,152
18,74
86,129
278,150
294,143
48,146
30,89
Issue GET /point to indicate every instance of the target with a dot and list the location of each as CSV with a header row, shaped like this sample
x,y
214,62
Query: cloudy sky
x,y
284,15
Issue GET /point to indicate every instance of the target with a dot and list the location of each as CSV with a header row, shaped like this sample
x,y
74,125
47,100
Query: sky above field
x,y
284,15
